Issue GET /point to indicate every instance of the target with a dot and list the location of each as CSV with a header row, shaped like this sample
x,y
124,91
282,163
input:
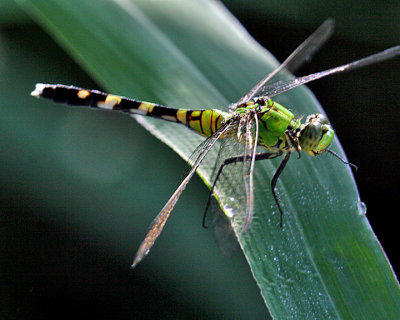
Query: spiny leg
x,y
275,179
341,159
289,136
259,156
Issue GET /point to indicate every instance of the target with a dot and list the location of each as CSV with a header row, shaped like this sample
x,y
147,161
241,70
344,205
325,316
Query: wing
x,y
251,136
158,223
302,53
282,86
233,171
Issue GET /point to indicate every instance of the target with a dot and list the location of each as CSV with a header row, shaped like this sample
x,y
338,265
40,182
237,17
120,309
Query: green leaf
x,y
325,262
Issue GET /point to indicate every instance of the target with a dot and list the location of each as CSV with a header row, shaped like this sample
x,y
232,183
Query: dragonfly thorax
x,y
315,135
274,121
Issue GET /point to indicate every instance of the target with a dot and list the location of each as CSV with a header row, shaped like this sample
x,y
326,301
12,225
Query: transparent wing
x,y
224,234
235,181
251,136
230,180
158,223
281,86
302,53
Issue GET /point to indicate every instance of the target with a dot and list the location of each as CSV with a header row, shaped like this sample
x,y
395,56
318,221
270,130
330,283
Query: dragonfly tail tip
x,y
38,90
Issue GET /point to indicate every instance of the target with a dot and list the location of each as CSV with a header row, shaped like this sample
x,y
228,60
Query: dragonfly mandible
x,y
254,121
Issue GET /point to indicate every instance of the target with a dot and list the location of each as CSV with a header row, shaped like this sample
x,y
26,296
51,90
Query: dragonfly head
x,y
316,134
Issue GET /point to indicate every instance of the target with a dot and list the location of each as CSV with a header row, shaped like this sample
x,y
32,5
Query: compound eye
x,y
310,136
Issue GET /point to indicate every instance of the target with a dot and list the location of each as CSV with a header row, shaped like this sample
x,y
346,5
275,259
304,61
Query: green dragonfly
x,y
254,121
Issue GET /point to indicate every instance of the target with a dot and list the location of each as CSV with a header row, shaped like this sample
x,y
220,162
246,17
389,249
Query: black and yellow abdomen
x,y
203,121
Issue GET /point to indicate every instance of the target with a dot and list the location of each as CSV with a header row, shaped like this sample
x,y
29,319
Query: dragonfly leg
x,y
259,156
295,144
275,179
341,159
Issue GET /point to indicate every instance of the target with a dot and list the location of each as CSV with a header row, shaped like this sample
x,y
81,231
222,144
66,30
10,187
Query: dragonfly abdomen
x,y
204,122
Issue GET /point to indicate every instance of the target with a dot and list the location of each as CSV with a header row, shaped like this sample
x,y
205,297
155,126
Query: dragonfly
x,y
255,122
